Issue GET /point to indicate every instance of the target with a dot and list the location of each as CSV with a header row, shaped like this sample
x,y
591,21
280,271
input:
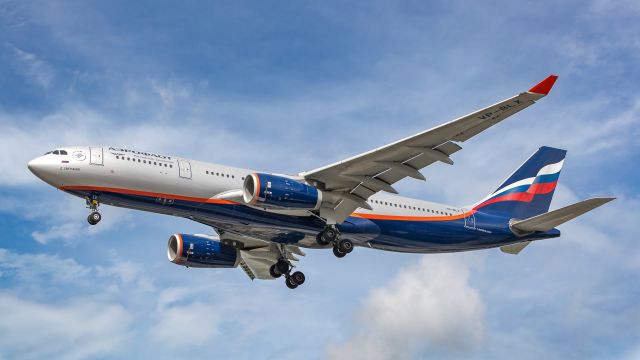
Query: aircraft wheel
x,y
345,246
338,253
297,278
329,234
321,241
274,272
94,218
282,267
290,284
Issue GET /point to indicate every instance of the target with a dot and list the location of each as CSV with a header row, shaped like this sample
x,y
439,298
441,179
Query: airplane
x,y
264,220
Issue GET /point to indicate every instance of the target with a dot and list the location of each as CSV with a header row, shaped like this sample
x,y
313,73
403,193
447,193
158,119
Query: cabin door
x,y
95,156
185,169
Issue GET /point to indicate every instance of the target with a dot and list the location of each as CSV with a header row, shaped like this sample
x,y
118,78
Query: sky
x,y
288,86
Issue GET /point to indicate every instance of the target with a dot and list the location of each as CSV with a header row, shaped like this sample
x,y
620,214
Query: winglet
x,y
544,86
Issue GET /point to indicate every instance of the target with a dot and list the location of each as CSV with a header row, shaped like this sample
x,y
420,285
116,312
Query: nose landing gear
x,y
92,203
331,235
283,267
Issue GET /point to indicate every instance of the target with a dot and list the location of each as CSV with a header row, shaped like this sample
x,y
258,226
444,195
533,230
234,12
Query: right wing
x,y
352,181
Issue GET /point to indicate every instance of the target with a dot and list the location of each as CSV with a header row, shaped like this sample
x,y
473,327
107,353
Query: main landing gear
x,y
93,203
283,267
331,235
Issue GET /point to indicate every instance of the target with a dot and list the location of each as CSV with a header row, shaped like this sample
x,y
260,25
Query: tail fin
x,y
529,190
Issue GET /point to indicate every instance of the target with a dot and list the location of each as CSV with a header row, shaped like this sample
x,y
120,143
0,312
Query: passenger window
x,y
171,166
144,161
117,157
165,165
154,163
233,177
207,172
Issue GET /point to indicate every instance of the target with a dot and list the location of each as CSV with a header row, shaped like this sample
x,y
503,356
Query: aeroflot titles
x,y
141,153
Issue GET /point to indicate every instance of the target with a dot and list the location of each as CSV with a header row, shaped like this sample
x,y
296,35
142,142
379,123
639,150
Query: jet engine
x,y
280,192
201,251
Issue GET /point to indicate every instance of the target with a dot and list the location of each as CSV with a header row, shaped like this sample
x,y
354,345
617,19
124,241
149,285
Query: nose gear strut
x,y
93,202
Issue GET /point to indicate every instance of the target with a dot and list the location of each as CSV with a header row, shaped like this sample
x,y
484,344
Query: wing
x,y
257,255
352,181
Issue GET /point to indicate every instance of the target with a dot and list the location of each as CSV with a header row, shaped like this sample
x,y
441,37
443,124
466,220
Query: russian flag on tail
x,y
529,190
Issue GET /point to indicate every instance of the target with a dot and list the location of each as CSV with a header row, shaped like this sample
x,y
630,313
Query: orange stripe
x,y
227,202
148,193
412,218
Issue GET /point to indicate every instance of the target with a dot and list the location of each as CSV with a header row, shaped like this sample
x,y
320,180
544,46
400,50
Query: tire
x,y
345,246
297,278
274,272
290,284
282,267
95,218
321,241
338,253
329,234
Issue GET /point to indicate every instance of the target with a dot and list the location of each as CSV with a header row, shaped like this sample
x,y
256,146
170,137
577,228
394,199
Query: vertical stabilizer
x,y
529,190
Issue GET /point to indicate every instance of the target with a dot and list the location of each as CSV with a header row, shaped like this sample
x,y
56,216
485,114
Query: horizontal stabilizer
x,y
514,249
550,220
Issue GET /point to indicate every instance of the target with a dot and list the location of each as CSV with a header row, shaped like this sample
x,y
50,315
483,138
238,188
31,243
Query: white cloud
x,y
428,308
200,319
170,91
79,329
33,68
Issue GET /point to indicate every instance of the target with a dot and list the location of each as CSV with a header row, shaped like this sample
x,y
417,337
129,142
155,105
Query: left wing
x,y
352,181
257,256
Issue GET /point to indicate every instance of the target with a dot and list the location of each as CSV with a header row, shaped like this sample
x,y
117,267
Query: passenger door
x,y
95,156
185,169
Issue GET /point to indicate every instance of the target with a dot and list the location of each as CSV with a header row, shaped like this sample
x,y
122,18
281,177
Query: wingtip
x,y
544,86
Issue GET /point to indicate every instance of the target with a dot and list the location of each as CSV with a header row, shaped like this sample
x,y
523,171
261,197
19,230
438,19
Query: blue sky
x,y
290,86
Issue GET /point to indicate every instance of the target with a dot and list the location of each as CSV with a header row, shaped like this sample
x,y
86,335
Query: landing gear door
x,y
185,169
95,156
469,219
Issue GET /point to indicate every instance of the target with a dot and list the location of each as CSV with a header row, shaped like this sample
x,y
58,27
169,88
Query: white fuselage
x,y
124,169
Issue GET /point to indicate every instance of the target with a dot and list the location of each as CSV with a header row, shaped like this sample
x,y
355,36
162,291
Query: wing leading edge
x,y
354,180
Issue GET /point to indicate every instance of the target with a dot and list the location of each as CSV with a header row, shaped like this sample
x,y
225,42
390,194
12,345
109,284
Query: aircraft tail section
x,y
548,221
529,190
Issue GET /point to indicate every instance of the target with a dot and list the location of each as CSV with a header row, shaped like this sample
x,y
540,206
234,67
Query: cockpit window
x,y
56,152
48,152
63,152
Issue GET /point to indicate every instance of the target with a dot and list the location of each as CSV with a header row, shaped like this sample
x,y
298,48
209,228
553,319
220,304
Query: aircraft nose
x,y
40,167
35,165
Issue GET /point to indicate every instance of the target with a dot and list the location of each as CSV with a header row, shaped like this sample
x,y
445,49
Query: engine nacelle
x,y
201,251
280,192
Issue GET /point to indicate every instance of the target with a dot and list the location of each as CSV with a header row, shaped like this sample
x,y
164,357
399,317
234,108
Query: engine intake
x,y
201,251
280,192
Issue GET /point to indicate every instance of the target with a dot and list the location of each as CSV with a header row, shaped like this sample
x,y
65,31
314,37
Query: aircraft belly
x,y
394,235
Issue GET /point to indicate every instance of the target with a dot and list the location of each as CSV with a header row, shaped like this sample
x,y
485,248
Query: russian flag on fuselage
x,y
528,191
